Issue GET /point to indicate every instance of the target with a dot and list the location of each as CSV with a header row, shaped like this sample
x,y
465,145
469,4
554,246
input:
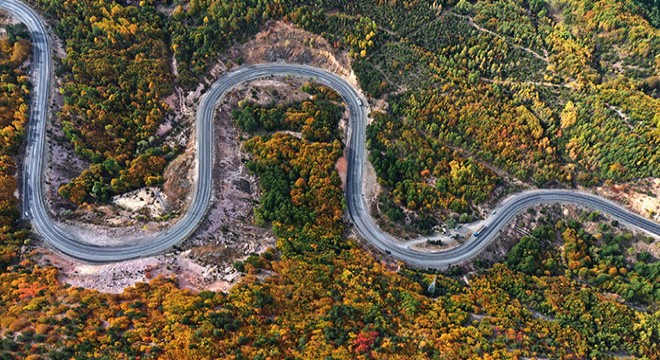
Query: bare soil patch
x,y
342,167
115,277
436,245
179,180
150,200
6,19
641,196
281,41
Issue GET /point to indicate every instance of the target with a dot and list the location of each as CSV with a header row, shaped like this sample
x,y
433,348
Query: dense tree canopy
x,y
15,51
554,93
586,111
114,76
302,195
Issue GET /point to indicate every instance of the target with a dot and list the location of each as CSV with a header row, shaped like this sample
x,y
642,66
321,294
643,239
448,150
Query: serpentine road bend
x,y
54,235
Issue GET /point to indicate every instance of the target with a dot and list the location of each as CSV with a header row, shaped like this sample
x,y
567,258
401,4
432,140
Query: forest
x,y
326,297
554,103
15,51
570,87
346,306
114,78
568,103
576,286
435,176
302,195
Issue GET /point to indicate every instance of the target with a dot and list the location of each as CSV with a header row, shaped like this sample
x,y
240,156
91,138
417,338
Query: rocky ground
x,y
228,233
641,196
115,277
6,19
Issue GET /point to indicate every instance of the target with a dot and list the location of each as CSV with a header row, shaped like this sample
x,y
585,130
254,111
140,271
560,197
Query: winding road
x,y
55,236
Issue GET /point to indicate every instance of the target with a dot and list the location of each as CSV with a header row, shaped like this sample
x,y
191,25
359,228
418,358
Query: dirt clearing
x,y
281,41
115,277
642,196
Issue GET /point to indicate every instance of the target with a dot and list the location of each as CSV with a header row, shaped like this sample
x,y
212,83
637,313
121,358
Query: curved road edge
x,y
201,193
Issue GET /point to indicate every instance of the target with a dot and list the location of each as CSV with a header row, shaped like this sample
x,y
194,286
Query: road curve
x,y
55,236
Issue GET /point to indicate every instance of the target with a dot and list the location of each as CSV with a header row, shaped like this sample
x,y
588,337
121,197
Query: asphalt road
x,y
55,236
